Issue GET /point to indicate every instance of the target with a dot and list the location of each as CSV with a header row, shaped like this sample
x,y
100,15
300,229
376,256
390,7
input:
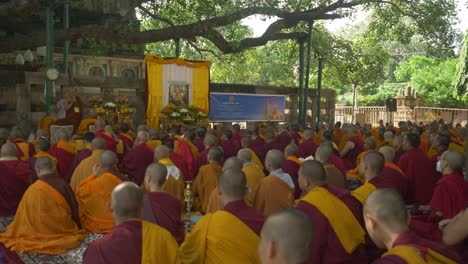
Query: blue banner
x,y
226,107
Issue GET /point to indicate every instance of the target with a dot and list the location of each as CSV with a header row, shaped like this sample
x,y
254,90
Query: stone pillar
x,y
23,108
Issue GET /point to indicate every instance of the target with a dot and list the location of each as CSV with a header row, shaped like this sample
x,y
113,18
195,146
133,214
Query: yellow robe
x,y
44,124
253,175
93,197
84,169
153,143
412,255
83,128
220,238
43,223
204,184
256,159
363,191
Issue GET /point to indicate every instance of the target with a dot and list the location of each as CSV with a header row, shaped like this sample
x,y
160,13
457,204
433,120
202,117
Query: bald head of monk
x,y
274,160
411,141
286,237
210,141
385,217
290,151
370,144
44,166
143,137
371,165
155,177
233,163
142,128
324,153
108,160
232,185
126,202
215,155
246,141
308,133
99,124
311,174
388,153
451,161
43,145
161,152
8,150
98,143
245,155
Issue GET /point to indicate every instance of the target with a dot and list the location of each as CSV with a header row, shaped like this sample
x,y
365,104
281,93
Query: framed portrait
x,y
179,93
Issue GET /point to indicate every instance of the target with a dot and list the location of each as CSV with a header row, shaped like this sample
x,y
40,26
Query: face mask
x,y
438,168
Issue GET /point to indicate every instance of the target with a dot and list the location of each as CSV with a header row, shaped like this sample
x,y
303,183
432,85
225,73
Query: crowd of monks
x,y
265,194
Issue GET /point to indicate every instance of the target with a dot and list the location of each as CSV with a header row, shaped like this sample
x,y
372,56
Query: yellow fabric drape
x,y
344,223
158,245
363,191
210,242
155,92
411,255
201,87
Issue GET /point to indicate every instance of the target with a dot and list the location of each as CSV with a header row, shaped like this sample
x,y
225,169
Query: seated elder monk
x,y
132,240
47,219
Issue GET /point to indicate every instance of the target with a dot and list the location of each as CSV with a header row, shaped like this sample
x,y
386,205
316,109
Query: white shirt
x,y
283,176
173,171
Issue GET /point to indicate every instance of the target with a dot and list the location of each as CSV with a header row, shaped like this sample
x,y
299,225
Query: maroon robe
x,y
164,210
248,215
237,136
199,144
338,163
64,160
351,157
201,160
434,160
258,146
398,154
412,239
307,148
180,163
274,144
114,246
111,143
393,179
128,143
296,137
14,180
284,139
292,168
450,195
327,248
230,148
85,153
416,166
136,161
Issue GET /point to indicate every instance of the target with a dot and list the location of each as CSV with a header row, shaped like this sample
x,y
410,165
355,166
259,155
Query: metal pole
x,y
306,86
49,54
66,25
319,92
300,93
177,48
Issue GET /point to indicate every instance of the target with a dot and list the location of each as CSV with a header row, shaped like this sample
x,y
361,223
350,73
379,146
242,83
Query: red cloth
x,y
248,215
338,163
307,148
411,238
185,152
258,146
230,148
199,144
127,141
111,143
166,210
237,136
274,145
14,180
180,163
292,168
76,161
296,137
393,179
284,139
137,160
201,160
351,157
327,248
450,195
64,160
113,247
416,166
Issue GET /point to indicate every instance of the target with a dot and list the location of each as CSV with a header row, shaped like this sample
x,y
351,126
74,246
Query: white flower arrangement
x,y
175,114
183,110
110,105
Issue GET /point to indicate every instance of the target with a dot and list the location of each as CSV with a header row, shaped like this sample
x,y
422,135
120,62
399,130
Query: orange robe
x,y
52,231
84,169
272,195
83,128
254,176
45,123
174,184
206,181
354,173
94,196
154,143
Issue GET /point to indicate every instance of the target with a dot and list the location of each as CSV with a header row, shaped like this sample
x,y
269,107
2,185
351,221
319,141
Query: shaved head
x,y
143,136
324,152
108,159
210,140
308,133
286,237
98,143
245,155
370,143
162,152
43,145
233,163
99,124
216,154
291,150
232,183
142,128
388,153
454,159
127,201
245,141
8,150
44,166
274,160
375,161
313,171
156,173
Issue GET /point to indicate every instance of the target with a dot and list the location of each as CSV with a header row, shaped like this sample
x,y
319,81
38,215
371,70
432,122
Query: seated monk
x,y
94,194
210,141
386,219
149,242
455,233
85,168
253,173
82,154
353,146
388,139
257,144
178,160
25,150
43,147
339,236
83,128
126,137
154,140
229,145
160,207
40,134
354,176
174,184
47,220
286,237
284,137
185,148
308,146
291,166
370,168
440,143
392,176
245,143
209,241
207,179
65,152
73,109
276,191
334,178
137,159
15,178
108,135
46,121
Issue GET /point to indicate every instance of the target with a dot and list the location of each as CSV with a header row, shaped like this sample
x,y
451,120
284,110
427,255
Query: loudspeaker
x,y
391,105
